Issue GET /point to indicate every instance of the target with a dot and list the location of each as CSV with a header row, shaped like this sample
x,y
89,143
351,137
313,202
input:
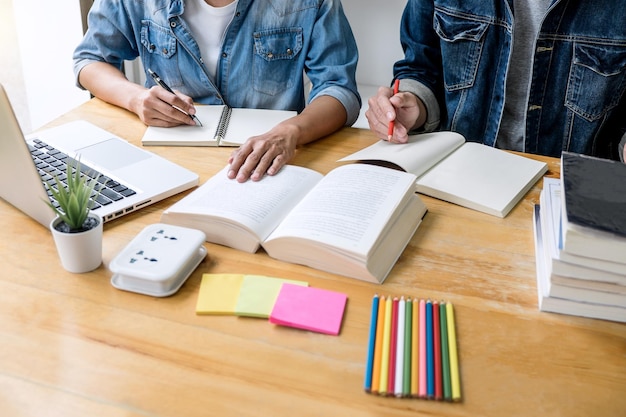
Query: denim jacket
x,y
457,54
267,47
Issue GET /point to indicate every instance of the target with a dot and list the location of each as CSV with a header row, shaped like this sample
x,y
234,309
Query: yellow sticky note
x,y
218,293
258,294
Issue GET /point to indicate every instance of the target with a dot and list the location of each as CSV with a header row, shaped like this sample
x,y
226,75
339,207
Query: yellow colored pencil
x,y
455,381
378,347
415,348
384,361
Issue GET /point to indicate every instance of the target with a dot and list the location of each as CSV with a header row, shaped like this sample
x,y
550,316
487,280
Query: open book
x,y
469,174
221,126
355,221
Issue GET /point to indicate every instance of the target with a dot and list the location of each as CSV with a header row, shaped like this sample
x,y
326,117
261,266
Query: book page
x,y
482,178
245,123
256,205
185,135
421,153
349,207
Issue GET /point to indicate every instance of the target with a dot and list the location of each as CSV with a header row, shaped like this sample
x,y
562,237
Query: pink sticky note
x,y
309,308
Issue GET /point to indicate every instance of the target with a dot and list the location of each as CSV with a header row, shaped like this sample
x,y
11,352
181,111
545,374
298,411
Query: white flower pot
x,y
79,252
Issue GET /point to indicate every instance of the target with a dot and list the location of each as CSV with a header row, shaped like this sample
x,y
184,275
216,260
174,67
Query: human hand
x,y
403,108
159,107
263,154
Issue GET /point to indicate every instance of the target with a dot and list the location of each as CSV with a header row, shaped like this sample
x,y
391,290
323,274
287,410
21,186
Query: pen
x,y
162,83
396,85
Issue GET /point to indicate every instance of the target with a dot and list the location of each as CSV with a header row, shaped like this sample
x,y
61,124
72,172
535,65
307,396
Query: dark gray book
x,y
595,192
593,207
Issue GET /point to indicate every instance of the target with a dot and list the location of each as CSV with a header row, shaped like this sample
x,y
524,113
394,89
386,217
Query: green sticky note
x,y
258,293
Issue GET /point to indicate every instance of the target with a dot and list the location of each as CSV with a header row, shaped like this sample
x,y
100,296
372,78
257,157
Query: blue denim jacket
x,y
267,47
457,52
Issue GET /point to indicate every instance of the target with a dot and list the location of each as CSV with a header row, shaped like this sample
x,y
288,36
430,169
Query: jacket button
x,y
289,51
172,24
224,55
270,55
165,51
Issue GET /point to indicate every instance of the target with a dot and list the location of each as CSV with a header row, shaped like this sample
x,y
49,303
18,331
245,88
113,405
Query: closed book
x,y
593,207
570,301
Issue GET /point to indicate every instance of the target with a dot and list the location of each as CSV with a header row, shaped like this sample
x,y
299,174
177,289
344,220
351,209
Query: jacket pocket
x,y
597,79
275,65
161,47
462,43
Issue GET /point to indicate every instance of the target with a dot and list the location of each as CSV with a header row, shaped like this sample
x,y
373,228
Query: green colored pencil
x,y
408,326
445,356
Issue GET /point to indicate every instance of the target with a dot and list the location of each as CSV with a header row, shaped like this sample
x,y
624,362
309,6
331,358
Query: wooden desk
x,y
72,345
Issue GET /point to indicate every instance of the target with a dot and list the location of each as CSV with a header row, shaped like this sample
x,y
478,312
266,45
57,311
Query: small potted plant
x,y
77,231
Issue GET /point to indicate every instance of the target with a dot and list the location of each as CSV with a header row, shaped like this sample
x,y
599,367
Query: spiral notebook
x,y
221,126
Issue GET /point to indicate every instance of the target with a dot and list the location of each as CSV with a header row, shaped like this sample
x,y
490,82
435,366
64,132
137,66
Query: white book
x,y
563,263
550,303
221,126
355,221
582,284
469,174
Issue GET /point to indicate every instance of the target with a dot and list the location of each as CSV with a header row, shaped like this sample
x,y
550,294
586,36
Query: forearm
x,y
109,84
321,117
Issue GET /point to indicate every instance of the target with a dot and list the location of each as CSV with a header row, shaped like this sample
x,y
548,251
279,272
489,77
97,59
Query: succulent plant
x,y
73,198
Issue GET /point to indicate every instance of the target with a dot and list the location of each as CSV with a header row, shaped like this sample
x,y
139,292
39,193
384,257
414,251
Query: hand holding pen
x,y
162,83
392,113
396,86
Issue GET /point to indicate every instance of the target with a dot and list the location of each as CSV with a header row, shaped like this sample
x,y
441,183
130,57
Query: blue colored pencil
x,y
372,342
430,360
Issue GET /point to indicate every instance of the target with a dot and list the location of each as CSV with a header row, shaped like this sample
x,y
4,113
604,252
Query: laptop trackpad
x,y
112,154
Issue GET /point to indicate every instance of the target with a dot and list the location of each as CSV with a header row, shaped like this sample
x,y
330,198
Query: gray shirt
x,y
528,15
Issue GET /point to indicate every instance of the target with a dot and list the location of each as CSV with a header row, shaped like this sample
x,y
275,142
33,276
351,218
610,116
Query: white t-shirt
x,y
208,25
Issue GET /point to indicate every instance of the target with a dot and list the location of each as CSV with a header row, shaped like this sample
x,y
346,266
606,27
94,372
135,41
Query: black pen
x,y
162,83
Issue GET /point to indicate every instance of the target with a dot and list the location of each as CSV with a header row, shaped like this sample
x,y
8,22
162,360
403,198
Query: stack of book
x,y
580,239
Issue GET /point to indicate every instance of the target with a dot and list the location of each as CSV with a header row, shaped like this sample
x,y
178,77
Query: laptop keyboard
x,y
51,162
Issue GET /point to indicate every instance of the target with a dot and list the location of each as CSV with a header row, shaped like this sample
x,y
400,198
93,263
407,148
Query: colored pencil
x,y
415,348
378,348
399,383
406,382
445,355
430,361
384,361
437,351
371,344
454,360
422,350
393,348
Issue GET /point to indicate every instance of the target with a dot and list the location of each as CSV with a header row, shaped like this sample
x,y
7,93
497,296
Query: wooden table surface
x,y
73,345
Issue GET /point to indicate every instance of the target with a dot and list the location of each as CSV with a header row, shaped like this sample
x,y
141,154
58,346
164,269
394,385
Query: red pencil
x,y
396,86
393,347
437,349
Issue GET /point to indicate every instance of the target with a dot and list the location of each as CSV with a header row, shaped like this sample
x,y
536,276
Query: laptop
x,y
134,178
